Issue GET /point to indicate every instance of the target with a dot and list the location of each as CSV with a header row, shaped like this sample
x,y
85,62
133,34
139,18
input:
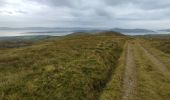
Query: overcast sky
x,y
150,14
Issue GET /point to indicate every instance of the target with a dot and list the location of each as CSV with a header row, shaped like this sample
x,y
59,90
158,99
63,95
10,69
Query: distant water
x,y
53,32
4,33
158,32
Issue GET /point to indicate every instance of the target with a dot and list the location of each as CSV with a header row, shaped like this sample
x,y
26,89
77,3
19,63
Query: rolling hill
x,y
86,66
165,30
132,30
74,68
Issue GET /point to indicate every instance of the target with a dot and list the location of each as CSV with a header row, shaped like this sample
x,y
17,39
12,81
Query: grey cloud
x,y
91,12
144,4
57,3
83,7
21,11
2,3
7,12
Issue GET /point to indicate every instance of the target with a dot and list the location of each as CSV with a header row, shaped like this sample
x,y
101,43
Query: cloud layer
x,y
85,13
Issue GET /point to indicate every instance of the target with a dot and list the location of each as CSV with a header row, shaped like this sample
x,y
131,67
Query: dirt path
x,y
158,64
129,80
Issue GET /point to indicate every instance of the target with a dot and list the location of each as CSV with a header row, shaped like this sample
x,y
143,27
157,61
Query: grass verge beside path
x,y
72,68
162,56
152,84
113,89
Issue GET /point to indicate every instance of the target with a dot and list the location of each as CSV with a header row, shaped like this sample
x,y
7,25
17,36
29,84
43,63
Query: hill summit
x,y
111,33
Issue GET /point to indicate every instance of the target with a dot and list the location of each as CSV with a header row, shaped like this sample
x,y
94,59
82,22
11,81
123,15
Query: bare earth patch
x,y
129,81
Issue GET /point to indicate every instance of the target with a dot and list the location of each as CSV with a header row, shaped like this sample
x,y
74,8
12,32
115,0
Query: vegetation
x,y
113,89
84,66
20,41
152,84
25,38
70,68
162,44
14,44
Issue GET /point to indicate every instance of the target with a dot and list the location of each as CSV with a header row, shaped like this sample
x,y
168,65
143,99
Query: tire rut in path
x,y
157,63
129,80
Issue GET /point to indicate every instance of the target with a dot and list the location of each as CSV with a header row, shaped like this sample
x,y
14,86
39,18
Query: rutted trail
x,y
142,76
129,81
158,64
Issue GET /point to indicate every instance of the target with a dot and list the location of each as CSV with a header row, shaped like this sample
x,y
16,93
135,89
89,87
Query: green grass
x,y
21,41
113,89
161,44
71,68
161,54
151,83
25,38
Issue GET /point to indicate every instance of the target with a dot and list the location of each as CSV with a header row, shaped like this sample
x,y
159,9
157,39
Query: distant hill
x,y
42,30
79,34
21,41
54,29
51,30
165,36
132,30
99,33
24,38
165,30
91,30
111,33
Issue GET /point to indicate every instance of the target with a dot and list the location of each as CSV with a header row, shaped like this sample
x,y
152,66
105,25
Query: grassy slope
x,y
21,41
74,68
152,84
162,44
24,38
113,88
158,51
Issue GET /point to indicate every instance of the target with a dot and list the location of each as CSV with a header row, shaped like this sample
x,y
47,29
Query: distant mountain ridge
x,y
99,33
79,29
111,33
165,30
132,30
163,36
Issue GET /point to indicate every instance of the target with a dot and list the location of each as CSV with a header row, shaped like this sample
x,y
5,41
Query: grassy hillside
x,y
161,44
24,38
20,41
72,68
156,36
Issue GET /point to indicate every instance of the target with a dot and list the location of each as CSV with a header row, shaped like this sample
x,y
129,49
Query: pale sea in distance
x,y
6,33
52,32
